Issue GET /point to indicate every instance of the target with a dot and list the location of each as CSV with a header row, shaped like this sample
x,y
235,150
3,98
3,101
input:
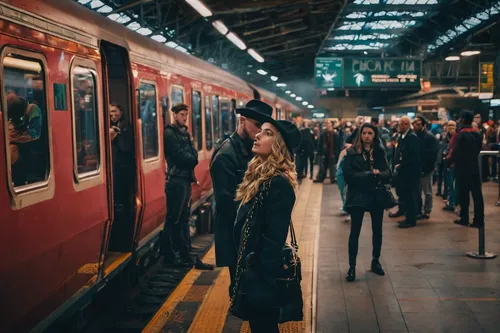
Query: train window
x,y
164,109
60,102
278,113
233,114
149,117
177,95
196,120
216,117
225,118
86,121
27,119
208,125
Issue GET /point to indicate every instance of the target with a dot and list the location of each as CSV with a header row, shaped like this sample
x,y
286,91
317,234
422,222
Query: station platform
x,y
430,284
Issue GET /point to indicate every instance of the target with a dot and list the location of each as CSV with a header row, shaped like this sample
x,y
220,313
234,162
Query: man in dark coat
x,y
428,155
181,158
329,151
464,153
407,161
305,153
227,168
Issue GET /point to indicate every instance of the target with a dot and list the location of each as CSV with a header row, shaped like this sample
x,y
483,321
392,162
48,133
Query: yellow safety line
x,y
160,318
211,315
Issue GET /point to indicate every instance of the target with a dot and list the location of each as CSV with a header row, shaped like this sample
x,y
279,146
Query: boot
x,y
351,274
377,268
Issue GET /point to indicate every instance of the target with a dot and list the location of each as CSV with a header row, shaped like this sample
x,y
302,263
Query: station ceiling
x,y
281,38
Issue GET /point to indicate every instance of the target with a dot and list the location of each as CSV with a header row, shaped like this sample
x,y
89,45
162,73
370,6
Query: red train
x,y
61,66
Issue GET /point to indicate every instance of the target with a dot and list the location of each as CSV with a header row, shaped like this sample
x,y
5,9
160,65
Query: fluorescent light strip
x,y
255,55
200,7
280,84
262,72
274,78
220,27
236,40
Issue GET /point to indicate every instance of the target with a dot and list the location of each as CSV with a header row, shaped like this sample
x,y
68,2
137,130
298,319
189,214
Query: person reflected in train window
x,y
227,168
181,158
16,114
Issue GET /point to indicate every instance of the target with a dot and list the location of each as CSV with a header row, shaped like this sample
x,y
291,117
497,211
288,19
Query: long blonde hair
x,y
260,170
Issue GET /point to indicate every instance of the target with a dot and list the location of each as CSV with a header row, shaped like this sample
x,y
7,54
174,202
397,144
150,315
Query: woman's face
x,y
367,135
264,140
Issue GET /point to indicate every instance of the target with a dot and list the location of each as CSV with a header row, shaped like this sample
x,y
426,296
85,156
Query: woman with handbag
x,y
267,279
366,172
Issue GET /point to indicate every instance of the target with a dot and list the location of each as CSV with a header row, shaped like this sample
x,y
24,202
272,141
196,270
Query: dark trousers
x,y
356,223
264,323
303,160
410,190
470,183
327,164
178,193
441,178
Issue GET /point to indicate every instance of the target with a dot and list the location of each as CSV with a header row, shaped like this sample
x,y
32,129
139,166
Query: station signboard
x,y
382,73
328,73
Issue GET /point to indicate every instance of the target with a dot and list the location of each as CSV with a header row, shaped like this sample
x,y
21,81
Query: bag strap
x,y
293,238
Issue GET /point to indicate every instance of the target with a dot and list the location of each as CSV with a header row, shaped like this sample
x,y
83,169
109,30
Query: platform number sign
x,y
328,73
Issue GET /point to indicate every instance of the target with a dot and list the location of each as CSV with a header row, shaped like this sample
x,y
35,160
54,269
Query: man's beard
x,y
247,140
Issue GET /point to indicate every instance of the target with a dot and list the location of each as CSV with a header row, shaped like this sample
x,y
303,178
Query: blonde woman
x,y
266,196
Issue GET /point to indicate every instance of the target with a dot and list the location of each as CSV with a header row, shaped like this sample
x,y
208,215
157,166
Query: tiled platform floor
x,y
430,285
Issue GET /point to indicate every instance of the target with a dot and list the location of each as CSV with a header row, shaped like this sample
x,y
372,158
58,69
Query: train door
x,y
117,92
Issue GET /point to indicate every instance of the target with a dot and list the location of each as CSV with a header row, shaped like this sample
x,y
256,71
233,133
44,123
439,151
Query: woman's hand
x,y
376,172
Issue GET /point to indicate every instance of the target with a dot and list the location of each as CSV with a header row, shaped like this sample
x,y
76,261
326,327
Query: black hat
x,y
257,110
290,133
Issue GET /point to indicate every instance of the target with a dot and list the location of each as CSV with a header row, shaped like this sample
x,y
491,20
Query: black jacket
x,y
428,151
408,157
227,168
307,144
465,151
180,153
323,147
360,179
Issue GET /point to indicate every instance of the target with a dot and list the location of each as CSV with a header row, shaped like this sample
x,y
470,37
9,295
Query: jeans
x,y
341,185
356,223
178,193
426,189
468,183
452,199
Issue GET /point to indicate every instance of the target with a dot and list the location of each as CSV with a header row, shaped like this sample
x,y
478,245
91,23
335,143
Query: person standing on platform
x,y
227,168
450,192
181,158
329,150
305,153
428,155
407,167
465,149
266,198
365,170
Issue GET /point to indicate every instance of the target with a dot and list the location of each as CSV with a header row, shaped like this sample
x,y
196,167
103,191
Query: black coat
x,y
323,147
180,153
227,168
428,151
360,179
269,226
465,152
408,157
307,144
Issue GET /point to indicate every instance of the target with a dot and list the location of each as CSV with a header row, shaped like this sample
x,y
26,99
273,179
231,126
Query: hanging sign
x,y
486,80
384,73
328,73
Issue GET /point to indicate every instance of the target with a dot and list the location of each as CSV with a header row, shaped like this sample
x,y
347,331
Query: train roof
x,y
87,27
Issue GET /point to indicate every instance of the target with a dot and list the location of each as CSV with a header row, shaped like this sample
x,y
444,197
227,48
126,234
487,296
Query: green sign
x,y
384,73
328,72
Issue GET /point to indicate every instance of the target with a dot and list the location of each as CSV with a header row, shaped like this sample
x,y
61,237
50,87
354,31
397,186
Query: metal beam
x,y
284,33
289,50
273,26
299,38
381,7
389,18
129,6
367,32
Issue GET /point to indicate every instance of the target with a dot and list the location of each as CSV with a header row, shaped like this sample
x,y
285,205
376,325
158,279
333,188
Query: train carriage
x,y
66,228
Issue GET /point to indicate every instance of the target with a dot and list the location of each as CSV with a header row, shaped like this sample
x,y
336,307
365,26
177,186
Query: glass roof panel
x,y
105,10
144,31
159,38
96,4
356,15
366,2
134,26
352,26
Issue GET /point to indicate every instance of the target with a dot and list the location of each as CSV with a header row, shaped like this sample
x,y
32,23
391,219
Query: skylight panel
x,y
460,29
473,21
345,37
366,2
144,31
119,18
451,33
84,2
483,16
159,38
172,44
105,10
357,15
134,26
96,4
411,2
352,26
387,25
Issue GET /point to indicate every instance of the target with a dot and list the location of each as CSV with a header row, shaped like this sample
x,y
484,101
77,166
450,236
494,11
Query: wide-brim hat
x,y
290,133
257,110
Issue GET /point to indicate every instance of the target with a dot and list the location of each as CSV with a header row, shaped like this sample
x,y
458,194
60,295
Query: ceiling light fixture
x,y
262,72
452,58
236,40
288,92
255,55
331,89
220,27
274,78
470,53
280,84
200,7
293,95
298,98
305,103
310,106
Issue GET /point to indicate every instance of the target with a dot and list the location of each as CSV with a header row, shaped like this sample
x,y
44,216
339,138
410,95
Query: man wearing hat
x,y
227,168
181,158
